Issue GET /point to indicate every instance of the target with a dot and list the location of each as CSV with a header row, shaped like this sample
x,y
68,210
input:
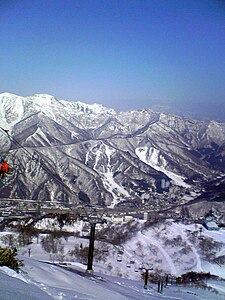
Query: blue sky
x,y
123,54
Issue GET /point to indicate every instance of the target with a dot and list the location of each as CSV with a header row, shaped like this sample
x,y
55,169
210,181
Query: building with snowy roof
x,y
211,225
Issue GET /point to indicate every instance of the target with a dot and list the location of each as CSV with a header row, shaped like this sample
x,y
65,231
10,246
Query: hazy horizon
x,y
122,54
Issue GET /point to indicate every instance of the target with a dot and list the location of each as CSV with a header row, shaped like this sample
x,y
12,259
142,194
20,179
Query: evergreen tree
x,y
8,259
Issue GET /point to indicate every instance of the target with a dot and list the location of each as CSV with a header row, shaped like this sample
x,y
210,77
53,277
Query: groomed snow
x,y
41,278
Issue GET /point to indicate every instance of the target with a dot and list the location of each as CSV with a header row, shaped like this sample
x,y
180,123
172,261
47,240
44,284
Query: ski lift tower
x,y
146,267
93,218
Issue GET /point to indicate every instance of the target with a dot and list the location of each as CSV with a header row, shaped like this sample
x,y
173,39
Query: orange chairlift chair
x,y
5,169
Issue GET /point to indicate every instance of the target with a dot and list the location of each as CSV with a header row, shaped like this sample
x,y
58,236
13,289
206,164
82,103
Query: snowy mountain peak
x,y
94,108
11,109
43,99
88,108
8,95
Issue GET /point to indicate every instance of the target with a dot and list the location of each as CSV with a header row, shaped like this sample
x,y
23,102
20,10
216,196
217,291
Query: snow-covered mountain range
x,y
71,151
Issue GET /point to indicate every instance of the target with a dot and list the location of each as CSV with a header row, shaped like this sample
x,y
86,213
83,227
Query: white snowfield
x,y
105,171
43,278
154,159
171,247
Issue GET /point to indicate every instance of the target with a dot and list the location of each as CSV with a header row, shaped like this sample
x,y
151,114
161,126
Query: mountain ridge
x,y
106,153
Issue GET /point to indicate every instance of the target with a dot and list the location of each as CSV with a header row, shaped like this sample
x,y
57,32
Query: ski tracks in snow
x,y
183,233
168,259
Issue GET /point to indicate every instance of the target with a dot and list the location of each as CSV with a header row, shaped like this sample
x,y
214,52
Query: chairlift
x,y
132,260
120,250
5,169
128,264
119,258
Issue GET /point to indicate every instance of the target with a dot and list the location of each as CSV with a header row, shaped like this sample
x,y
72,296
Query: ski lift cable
x,y
26,200
35,200
40,160
42,164
47,170
127,246
6,132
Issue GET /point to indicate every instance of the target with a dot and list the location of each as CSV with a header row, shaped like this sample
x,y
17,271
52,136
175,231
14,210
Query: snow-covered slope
x,y
168,248
46,281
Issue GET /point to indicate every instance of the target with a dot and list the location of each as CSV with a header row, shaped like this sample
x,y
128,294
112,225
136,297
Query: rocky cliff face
x,y
71,151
